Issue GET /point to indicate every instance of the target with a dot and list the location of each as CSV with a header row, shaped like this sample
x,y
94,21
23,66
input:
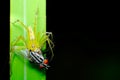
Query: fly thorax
x,y
38,58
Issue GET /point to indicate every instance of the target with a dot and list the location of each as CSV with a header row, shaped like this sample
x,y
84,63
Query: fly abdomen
x,y
36,58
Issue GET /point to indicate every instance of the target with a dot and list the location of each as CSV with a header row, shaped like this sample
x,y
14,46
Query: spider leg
x,y
13,43
47,34
42,41
14,47
49,43
35,20
20,22
45,38
50,40
18,39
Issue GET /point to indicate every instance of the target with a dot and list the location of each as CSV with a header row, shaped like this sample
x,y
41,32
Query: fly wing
x,y
23,54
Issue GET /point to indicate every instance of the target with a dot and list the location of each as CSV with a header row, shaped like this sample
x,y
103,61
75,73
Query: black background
x,y
4,39
86,37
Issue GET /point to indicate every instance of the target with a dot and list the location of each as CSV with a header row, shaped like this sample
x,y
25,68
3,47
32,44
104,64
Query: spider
x,y
33,44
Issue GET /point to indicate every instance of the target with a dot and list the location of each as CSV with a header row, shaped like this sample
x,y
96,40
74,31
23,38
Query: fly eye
x,y
45,61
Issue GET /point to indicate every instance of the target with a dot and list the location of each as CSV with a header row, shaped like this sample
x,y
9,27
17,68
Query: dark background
x,y
4,39
86,37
